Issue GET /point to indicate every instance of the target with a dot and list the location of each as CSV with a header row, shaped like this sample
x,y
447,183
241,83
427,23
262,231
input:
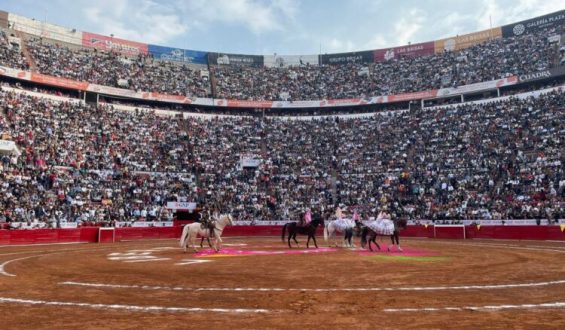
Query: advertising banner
x,y
235,59
344,58
534,24
283,61
45,30
166,97
143,224
59,82
69,225
540,75
466,40
416,50
342,102
412,96
181,205
478,87
178,55
296,104
111,44
114,91
14,73
243,103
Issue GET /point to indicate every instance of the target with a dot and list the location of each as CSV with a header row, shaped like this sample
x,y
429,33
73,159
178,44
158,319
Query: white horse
x,y
192,230
342,226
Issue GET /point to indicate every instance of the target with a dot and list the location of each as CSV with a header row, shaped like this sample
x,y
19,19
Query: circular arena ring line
x,y
430,288
487,308
44,253
133,308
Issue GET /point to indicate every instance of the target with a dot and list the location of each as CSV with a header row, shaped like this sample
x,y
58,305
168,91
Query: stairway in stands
x,y
25,51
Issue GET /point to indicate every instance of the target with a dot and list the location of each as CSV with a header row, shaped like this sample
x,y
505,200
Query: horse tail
x,y
326,233
184,235
284,231
364,233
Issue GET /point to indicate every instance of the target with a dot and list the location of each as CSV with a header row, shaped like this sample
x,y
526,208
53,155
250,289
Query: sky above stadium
x,y
281,26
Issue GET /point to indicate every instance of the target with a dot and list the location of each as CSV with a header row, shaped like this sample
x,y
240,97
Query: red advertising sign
x,y
59,82
416,50
413,96
111,44
166,97
243,104
343,102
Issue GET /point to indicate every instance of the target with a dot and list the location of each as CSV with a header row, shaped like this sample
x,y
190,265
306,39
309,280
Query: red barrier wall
x,y
516,232
418,231
90,234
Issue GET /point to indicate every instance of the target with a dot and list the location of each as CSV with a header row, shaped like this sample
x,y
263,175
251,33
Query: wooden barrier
x,y
90,234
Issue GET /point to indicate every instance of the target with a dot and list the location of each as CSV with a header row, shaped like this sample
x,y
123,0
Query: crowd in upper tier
x,y
488,61
10,53
492,59
497,160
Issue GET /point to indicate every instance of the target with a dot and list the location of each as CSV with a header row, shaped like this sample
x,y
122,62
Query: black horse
x,y
394,238
310,230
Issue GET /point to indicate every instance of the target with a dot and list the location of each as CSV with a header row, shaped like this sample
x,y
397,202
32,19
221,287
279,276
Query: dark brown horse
x,y
394,238
310,230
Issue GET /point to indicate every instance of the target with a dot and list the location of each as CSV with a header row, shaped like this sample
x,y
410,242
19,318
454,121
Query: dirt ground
x,y
514,285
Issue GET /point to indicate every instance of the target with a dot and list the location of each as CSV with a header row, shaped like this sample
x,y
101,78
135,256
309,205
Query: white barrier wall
x,y
44,29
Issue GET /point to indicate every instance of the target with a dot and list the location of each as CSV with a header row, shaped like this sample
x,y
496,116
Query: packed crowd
x,y
484,62
10,53
499,160
141,73
487,61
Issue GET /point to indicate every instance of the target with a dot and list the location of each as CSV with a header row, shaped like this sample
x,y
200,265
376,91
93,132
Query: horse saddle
x,y
207,224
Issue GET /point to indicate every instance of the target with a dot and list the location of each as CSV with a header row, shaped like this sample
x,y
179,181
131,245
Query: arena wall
x,y
90,234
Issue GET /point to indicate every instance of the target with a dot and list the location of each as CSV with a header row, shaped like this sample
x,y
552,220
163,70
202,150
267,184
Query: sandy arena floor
x,y
253,283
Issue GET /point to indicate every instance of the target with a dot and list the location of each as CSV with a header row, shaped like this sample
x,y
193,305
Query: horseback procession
x,y
211,224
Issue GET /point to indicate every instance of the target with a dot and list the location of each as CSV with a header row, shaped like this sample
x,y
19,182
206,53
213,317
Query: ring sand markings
x,y
147,260
133,308
558,304
3,265
5,273
133,256
185,262
428,288
508,246
47,252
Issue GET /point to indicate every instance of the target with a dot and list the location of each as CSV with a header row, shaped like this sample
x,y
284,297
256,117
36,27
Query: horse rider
x,y
305,218
384,215
339,212
356,217
206,219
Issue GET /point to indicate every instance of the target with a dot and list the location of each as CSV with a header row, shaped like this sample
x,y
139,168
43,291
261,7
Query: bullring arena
x,y
109,146
257,282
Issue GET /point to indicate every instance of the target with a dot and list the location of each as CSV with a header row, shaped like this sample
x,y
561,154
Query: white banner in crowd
x,y
143,224
181,205
513,222
283,61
